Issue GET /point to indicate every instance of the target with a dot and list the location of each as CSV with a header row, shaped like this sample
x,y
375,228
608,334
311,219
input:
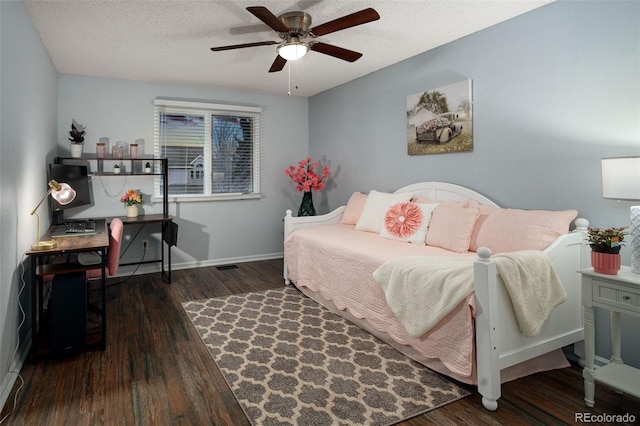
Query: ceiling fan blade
x,y
263,14
241,46
337,52
278,64
348,21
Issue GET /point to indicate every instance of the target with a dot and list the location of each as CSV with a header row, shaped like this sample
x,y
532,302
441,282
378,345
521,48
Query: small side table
x,y
619,294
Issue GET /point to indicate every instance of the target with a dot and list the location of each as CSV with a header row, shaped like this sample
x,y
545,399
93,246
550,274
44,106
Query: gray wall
x,y
209,232
28,132
554,91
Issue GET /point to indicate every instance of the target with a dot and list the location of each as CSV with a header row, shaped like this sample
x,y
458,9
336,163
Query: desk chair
x,y
116,228
113,253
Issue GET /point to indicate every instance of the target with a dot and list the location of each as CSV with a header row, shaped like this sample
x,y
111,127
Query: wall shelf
x,y
128,167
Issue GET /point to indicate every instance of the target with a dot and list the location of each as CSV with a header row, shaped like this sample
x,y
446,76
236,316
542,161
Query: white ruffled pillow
x,y
372,217
408,222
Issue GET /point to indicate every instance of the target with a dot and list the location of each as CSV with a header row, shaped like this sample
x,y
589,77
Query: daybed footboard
x,y
499,342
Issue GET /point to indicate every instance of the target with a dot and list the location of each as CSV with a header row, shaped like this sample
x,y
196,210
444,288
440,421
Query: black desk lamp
x,y
63,194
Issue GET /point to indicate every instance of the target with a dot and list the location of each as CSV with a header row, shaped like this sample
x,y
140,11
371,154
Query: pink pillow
x,y
506,230
451,228
354,208
407,222
485,211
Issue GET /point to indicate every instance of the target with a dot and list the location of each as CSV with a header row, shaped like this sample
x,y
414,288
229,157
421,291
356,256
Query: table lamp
x,y
621,181
63,194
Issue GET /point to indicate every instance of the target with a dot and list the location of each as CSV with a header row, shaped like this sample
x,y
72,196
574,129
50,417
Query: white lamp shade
x,y
293,51
621,181
621,178
62,193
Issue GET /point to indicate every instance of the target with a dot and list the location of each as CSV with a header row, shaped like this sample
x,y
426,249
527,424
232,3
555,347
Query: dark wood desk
x,y
41,267
169,236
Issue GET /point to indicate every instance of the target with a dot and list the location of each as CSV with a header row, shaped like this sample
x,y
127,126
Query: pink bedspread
x,y
338,262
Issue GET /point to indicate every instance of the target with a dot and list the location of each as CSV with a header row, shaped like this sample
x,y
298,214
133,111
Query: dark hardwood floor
x,y
156,371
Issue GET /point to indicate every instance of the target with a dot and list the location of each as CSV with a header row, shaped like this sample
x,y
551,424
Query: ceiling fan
x,y
298,38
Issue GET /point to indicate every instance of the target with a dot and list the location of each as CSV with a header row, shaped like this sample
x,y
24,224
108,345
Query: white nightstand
x,y
620,294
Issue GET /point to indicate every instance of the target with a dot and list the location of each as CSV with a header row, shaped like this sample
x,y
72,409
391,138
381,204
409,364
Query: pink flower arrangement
x,y
306,177
131,198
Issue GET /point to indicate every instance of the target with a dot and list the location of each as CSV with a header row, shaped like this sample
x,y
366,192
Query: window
x,y
212,150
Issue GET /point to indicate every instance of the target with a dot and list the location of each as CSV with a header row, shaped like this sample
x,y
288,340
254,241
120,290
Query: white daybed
x,y
500,352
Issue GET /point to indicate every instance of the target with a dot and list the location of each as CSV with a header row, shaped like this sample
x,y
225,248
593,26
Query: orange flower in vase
x,y
131,199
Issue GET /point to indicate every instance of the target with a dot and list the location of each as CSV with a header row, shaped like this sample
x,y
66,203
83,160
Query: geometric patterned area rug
x,y
289,360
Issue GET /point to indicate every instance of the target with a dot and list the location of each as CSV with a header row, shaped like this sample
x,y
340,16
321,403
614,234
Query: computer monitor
x,y
76,176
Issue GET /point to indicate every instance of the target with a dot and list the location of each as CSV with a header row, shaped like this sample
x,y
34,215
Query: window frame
x,y
209,109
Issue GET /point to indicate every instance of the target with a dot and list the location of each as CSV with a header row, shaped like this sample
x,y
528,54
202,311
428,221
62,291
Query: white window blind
x,y
213,150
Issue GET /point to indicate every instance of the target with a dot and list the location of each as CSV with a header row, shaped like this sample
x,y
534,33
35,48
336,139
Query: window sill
x,y
205,198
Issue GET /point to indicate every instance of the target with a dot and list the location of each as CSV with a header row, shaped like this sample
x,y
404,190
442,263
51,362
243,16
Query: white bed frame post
x,y
288,229
487,354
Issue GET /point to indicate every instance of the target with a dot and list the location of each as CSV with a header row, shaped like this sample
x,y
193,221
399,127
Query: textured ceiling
x,y
168,41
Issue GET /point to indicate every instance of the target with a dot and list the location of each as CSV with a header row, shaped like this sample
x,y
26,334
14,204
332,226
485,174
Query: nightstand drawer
x,y
629,299
615,295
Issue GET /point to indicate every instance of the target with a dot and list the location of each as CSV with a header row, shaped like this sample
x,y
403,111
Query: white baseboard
x,y
149,268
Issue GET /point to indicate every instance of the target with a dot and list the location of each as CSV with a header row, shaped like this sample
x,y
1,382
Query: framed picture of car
x,y
440,120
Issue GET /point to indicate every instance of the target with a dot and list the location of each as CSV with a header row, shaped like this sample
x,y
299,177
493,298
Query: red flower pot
x,y
605,263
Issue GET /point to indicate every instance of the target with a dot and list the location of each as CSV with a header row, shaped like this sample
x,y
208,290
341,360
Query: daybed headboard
x,y
445,191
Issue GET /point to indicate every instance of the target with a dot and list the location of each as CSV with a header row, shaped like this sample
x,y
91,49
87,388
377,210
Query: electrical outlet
x,y
145,244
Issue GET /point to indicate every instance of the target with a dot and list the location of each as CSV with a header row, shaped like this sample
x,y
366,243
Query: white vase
x,y
132,211
76,150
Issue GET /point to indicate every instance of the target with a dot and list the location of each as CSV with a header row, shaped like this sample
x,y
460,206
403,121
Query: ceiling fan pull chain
x,y
294,75
289,72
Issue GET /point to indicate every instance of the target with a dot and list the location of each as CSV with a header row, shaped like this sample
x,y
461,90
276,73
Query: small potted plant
x,y
116,169
77,139
605,246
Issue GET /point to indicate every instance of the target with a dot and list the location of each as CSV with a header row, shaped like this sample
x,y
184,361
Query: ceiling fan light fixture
x,y
293,50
